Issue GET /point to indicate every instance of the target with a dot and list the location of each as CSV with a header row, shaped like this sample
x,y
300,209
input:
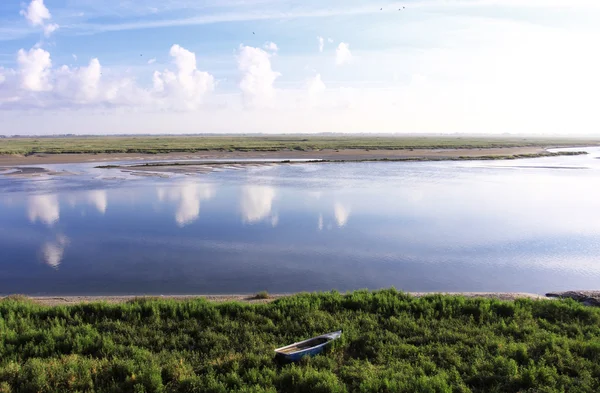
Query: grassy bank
x,y
166,144
391,343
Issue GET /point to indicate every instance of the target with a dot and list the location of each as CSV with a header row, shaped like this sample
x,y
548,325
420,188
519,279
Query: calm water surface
x,y
526,225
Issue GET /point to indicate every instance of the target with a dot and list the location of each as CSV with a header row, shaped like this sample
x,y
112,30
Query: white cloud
x,y
99,199
80,85
256,203
342,213
316,88
2,76
74,56
271,46
320,222
50,28
44,208
343,54
53,252
34,67
257,76
186,88
274,221
188,197
36,13
321,43
152,61
330,40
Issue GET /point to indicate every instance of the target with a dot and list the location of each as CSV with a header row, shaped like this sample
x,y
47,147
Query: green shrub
x,y
262,295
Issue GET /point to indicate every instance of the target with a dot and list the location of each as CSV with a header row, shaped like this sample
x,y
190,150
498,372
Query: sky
x,y
299,66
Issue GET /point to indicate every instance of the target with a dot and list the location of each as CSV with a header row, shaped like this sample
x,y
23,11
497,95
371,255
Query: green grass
x,y
391,343
164,144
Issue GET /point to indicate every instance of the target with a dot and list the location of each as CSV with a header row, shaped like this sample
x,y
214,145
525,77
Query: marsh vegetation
x,y
391,343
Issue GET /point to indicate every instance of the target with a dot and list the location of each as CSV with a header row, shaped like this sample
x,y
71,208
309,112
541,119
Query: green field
x,y
391,343
165,144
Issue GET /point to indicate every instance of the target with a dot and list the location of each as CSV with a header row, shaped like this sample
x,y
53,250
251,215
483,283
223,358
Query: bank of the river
x,y
13,165
391,342
242,298
422,154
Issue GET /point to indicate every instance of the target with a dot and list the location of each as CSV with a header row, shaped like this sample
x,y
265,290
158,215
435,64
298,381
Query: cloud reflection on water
x,y
342,214
188,197
53,251
44,208
256,203
98,199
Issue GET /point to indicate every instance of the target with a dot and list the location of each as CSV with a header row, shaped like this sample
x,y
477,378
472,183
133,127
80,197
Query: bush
x,y
262,295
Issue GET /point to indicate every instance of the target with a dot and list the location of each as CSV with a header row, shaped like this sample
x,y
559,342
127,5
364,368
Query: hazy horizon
x,y
277,67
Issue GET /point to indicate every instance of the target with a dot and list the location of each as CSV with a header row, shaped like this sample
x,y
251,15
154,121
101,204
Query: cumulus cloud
x,y
82,84
44,208
53,252
182,89
2,76
152,61
34,68
37,15
50,28
186,87
343,54
330,40
342,213
321,43
257,76
188,197
315,87
271,46
256,203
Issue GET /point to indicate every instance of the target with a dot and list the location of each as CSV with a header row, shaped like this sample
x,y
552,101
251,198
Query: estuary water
x,y
523,225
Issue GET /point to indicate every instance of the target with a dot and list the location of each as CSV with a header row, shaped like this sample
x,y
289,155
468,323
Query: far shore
x,y
252,299
8,160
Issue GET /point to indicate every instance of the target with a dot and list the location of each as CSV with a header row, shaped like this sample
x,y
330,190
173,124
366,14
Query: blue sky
x,y
171,66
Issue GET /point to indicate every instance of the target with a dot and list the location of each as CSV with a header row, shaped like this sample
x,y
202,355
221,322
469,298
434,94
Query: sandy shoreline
x,y
73,300
348,154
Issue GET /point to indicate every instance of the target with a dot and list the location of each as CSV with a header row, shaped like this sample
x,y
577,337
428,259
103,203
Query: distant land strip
x,y
274,143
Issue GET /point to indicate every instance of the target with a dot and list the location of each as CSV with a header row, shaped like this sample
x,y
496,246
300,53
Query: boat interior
x,y
305,345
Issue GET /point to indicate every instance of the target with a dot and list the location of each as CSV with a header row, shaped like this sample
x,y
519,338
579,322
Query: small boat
x,y
310,347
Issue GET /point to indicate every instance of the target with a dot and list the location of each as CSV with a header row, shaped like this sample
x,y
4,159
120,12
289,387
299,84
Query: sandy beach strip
x,y
347,154
251,299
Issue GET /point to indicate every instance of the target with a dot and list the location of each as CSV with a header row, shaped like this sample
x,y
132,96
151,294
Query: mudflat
x,y
341,155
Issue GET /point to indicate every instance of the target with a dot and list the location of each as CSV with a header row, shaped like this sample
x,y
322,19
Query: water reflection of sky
x,y
473,226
